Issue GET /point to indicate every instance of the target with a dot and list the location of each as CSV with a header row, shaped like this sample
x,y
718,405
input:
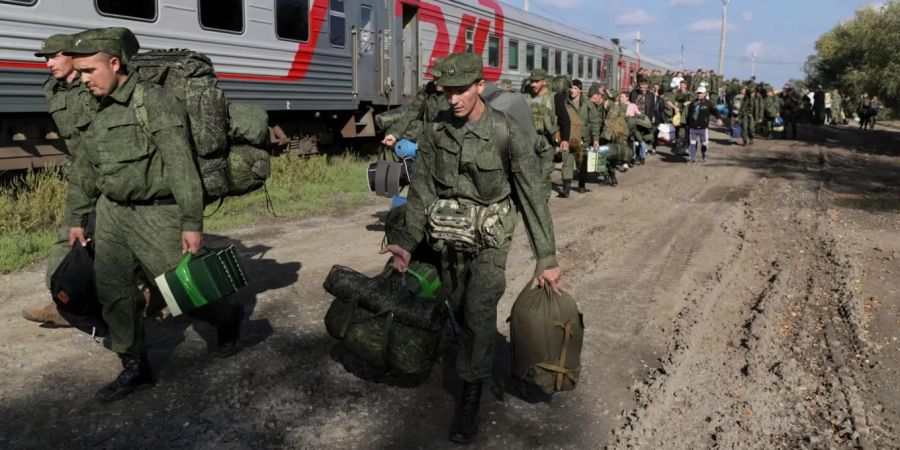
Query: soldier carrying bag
x,y
546,332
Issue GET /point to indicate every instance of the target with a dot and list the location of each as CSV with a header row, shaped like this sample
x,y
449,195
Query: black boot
x,y
465,421
136,375
612,178
228,334
566,189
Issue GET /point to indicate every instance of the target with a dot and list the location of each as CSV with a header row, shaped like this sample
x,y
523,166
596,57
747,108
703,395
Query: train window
x,y
366,30
337,23
570,61
580,66
529,57
20,2
223,15
589,68
470,40
493,51
558,62
292,19
129,9
545,58
513,58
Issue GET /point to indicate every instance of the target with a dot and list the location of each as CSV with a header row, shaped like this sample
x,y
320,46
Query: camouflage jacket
x,y
72,108
126,162
582,111
423,110
454,162
596,116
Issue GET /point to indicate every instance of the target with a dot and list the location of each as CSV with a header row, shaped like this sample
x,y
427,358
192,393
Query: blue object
x,y
723,109
405,149
736,130
778,121
398,201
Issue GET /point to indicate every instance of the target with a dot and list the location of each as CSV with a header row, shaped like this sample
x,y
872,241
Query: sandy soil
x,y
751,302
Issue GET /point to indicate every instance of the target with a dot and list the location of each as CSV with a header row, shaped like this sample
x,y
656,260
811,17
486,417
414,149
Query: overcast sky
x,y
781,32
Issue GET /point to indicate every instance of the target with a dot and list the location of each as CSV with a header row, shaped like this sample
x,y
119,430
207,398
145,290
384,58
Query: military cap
x,y
115,41
435,70
459,69
595,89
55,44
539,75
577,83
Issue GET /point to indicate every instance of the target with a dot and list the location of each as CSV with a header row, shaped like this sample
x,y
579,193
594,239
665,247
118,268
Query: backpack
x,y
213,123
72,286
546,332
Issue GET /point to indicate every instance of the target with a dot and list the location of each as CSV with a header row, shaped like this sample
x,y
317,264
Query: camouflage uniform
x,y
578,141
596,116
72,107
424,108
147,190
747,118
461,161
543,115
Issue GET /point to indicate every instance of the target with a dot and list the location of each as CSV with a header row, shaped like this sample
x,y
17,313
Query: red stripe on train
x,y
23,65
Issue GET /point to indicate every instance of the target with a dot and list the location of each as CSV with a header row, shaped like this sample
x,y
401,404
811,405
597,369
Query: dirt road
x,y
750,302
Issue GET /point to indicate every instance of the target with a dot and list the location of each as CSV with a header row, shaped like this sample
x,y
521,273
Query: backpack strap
x,y
501,139
138,96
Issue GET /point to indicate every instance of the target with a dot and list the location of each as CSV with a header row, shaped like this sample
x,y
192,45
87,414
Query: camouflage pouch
x,y
451,223
489,227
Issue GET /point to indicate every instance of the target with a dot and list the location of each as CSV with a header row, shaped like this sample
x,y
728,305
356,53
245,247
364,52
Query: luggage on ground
x,y
546,332
74,291
392,321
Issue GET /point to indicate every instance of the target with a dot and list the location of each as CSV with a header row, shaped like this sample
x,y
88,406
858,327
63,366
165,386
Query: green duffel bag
x,y
392,321
248,124
248,169
546,332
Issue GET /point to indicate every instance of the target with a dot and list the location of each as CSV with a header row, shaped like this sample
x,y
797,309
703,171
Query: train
x,y
319,67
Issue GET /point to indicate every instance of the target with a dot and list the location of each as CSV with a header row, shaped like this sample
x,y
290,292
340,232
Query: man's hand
x,y
719,122
551,276
402,257
191,241
389,140
77,234
563,146
596,143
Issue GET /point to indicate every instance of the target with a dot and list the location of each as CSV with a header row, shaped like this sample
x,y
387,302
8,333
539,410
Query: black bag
x,y
388,320
74,291
680,147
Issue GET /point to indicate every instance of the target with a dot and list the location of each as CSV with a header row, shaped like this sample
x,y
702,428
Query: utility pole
x,y
681,63
526,5
722,40
637,47
753,64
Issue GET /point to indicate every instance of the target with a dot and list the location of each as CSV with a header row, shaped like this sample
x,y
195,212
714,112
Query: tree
x,y
861,55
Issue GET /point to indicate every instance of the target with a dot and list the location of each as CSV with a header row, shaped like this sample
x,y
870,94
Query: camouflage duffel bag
x,y
392,321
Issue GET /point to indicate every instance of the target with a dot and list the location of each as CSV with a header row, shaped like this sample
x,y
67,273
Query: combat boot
x,y
228,334
566,189
45,314
135,375
465,421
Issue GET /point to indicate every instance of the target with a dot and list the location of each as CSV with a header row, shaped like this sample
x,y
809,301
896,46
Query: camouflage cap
x,y
115,41
435,69
539,75
55,44
458,69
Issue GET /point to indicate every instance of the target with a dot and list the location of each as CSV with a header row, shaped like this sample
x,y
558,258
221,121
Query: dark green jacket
x,y
596,117
423,109
127,163
453,163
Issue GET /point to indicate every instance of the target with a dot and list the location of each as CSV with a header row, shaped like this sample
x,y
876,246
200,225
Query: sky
x,y
782,33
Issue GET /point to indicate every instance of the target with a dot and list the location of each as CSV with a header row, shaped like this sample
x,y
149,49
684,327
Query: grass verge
x,y
31,206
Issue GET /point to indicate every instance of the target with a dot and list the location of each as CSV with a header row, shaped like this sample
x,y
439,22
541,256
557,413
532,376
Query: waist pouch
x,y
467,228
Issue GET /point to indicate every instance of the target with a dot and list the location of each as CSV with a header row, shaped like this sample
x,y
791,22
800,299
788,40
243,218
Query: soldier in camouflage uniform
x,y
72,107
579,138
148,195
459,162
429,101
746,117
551,121
596,115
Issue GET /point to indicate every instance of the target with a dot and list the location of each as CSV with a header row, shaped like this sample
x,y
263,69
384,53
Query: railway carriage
x,y
318,66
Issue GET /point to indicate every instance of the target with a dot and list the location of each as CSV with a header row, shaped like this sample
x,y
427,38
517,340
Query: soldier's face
x,y
574,91
538,85
463,99
596,99
60,65
98,73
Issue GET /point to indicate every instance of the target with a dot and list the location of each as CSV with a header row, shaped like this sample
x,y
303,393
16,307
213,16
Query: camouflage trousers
x,y
476,281
575,158
747,132
128,239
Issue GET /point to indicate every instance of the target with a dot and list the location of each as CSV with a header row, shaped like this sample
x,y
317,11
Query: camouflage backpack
x,y
213,124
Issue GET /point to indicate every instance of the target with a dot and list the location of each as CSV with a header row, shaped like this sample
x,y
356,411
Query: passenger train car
x,y
318,66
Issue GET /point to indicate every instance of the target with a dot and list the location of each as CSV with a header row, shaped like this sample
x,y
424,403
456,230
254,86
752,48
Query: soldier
x,y
506,85
72,107
579,133
745,115
463,166
548,112
790,110
429,101
148,195
647,105
596,110
683,98
837,108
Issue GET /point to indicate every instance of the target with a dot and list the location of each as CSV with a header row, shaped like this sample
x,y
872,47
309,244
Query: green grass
x,y
31,206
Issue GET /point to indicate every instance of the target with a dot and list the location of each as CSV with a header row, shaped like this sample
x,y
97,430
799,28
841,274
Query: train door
x,y
410,48
369,66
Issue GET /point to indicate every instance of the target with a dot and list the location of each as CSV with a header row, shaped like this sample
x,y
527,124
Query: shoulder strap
x,y
137,97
